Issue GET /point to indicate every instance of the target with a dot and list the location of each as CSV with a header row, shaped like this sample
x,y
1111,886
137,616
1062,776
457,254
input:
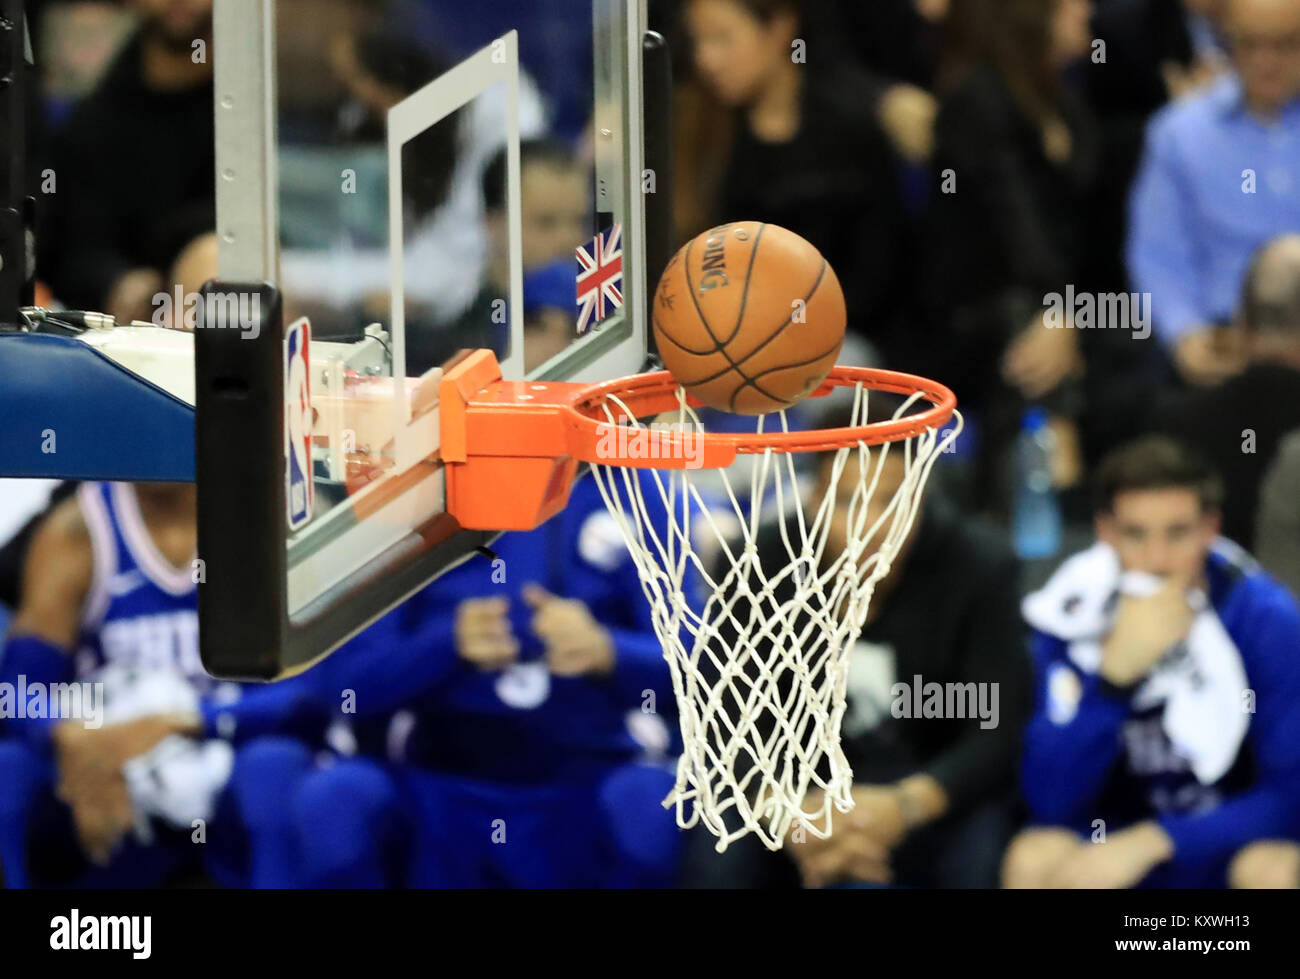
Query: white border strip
x,y
496,64
246,120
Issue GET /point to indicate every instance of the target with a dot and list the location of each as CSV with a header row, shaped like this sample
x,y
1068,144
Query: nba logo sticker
x,y
298,487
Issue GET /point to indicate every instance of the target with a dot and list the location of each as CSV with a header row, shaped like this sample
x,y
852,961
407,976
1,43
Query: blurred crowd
x,y
1081,215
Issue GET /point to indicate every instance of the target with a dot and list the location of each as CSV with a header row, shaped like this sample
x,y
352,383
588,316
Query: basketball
x,y
749,318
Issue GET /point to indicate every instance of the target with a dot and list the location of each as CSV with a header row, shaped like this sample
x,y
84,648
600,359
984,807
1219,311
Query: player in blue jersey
x,y
1165,740
101,780
516,720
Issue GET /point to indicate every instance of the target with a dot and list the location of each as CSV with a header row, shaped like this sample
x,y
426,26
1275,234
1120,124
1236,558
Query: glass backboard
x,y
412,180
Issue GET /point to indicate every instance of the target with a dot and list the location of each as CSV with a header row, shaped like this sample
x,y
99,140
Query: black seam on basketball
x,y
690,288
721,347
801,363
728,370
751,382
654,317
817,284
821,276
749,277
659,328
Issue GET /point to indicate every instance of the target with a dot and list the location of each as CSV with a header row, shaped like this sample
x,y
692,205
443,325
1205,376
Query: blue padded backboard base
x,y
69,412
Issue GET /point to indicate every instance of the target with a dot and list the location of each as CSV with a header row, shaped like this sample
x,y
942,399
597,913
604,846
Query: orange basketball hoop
x,y
512,448
758,655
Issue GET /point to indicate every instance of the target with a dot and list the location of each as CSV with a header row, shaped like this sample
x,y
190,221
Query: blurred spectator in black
x,y
1155,51
1217,181
1277,522
787,134
893,44
897,41
933,793
1239,424
1015,162
134,166
1149,52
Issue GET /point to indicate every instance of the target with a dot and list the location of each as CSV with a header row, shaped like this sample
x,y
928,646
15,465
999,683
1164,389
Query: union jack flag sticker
x,y
600,277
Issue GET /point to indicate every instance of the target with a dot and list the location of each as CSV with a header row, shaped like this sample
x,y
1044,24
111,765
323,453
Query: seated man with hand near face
x,y
1164,750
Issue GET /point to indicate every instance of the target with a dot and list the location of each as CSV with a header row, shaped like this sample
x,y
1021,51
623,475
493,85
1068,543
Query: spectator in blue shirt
x,y
1219,178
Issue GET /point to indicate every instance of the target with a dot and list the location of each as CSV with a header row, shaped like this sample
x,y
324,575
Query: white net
x,y
757,614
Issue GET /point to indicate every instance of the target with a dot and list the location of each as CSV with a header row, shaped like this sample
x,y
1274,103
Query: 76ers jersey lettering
x,y
160,641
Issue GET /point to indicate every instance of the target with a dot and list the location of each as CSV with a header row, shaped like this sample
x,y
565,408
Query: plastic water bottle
x,y
1036,520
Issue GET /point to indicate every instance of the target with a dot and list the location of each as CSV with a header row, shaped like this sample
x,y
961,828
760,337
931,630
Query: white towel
x,y
1200,681
177,781
179,778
